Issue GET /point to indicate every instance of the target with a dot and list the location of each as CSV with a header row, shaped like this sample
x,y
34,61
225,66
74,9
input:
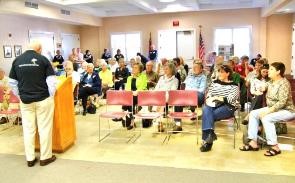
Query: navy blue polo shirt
x,y
31,70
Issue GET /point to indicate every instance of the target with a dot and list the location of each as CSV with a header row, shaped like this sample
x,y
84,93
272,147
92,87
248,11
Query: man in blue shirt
x,y
196,80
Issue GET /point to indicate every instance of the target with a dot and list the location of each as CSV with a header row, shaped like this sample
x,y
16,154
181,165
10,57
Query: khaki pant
x,y
38,114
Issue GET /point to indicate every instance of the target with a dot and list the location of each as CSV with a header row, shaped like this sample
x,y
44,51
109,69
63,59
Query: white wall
x,y
19,26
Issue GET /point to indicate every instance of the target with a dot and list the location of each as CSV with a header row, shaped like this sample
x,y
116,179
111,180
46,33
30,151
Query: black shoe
x,y
130,127
177,129
245,122
32,163
3,121
84,113
206,147
117,119
123,123
211,137
47,161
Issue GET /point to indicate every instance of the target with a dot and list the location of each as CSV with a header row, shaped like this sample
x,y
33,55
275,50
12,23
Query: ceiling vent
x,y
65,12
31,5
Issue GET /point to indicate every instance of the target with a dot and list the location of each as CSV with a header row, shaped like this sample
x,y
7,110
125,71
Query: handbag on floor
x,y
281,128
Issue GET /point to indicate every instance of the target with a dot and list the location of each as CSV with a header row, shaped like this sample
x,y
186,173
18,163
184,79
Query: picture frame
x,y
7,50
17,50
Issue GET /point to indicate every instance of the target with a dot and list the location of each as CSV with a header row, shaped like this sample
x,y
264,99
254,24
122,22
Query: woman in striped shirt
x,y
221,101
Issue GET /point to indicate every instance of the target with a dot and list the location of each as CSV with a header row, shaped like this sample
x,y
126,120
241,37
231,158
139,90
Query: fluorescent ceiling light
x,y
175,8
146,5
166,1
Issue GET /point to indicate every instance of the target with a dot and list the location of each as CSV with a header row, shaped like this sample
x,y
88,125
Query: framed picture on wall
x,y
17,50
7,51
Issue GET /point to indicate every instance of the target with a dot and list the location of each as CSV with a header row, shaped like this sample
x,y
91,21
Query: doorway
x,y
175,43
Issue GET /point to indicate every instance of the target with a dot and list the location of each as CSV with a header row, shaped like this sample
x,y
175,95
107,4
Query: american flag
x,y
150,42
201,47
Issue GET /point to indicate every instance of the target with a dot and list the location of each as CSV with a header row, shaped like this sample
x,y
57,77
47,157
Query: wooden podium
x,y
64,127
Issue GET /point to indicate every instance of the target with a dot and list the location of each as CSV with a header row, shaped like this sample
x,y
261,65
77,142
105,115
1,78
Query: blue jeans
x,y
268,122
212,114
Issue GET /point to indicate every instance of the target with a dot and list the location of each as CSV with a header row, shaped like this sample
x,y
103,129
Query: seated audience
x,y
253,74
197,80
221,102
90,84
88,57
106,77
69,72
59,59
113,65
215,67
166,83
136,82
118,55
151,75
83,69
279,107
185,66
160,67
236,78
143,59
97,65
243,69
106,55
121,75
180,69
254,60
6,89
80,55
258,85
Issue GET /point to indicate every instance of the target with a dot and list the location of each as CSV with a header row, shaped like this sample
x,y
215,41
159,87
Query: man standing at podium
x,y
32,78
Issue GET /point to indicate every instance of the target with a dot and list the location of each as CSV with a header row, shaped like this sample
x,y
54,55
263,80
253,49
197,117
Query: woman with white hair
x,y
69,72
106,77
90,84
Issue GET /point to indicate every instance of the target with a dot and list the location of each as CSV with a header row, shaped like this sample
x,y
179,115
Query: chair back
x,y
119,97
12,98
151,98
183,98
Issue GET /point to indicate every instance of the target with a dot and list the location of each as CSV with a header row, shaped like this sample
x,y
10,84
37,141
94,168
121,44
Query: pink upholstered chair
x,y
183,98
150,98
10,114
115,97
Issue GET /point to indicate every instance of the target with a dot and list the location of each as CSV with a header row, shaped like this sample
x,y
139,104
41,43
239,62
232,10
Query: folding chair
x,y
10,114
115,97
182,98
150,98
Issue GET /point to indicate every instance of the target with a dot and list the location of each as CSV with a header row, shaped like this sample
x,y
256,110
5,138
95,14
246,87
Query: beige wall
x,y
279,39
19,27
89,40
208,19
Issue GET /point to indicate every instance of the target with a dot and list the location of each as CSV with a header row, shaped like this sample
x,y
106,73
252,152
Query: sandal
x,y
272,152
249,148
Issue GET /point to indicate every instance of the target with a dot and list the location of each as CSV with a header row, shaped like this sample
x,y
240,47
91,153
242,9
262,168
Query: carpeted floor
x,y
14,170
